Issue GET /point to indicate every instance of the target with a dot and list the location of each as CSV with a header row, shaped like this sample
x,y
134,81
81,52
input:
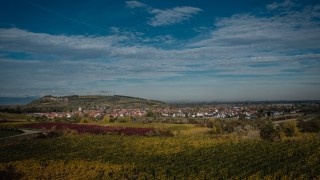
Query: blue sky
x,y
191,50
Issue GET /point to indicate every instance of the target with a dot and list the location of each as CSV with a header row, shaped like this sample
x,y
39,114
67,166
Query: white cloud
x,y
172,16
72,47
135,4
286,4
164,17
296,31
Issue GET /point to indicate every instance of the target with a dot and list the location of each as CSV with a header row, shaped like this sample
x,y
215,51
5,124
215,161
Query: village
x,y
221,111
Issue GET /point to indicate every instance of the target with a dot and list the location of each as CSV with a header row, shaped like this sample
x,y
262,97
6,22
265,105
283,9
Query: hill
x,y
53,103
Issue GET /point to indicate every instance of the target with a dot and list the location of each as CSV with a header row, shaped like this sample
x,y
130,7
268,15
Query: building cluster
x,y
211,112
95,113
208,111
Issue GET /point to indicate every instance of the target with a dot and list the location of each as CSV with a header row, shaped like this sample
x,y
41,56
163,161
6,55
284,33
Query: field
x,y
8,132
13,117
191,153
92,129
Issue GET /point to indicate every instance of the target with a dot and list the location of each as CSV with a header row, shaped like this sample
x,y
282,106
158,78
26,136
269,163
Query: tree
x,y
150,114
268,131
124,119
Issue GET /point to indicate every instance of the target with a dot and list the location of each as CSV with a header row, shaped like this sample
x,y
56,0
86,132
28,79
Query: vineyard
x,y
183,156
93,129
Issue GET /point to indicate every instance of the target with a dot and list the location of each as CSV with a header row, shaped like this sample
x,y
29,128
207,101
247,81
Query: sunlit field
x,y
188,152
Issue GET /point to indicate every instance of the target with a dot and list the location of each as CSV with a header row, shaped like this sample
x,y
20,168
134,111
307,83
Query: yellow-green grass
x,y
176,129
178,157
13,125
14,117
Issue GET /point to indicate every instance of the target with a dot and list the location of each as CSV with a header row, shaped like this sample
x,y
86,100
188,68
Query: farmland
x,y
8,132
93,129
191,153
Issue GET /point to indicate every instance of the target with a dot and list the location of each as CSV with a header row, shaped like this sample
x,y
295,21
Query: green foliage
x,y
124,119
112,119
217,127
106,118
14,117
13,125
239,127
85,120
41,119
59,104
150,114
191,157
311,125
268,131
161,132
289,128
73,119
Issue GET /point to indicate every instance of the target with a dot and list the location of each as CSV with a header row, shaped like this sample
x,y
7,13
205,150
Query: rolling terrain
x,y
92,102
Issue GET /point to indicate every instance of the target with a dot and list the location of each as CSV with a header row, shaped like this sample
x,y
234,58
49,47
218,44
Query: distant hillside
x,y
52,103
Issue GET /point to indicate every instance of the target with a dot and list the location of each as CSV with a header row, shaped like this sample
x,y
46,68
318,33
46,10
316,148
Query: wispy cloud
x,y
172,16
165,17
287,4
296,31
71,47
135,4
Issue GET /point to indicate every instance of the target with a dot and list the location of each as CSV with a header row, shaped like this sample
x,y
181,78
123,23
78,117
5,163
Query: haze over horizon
x,y
165,50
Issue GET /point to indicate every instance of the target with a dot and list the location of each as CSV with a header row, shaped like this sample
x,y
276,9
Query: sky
x,y
190,50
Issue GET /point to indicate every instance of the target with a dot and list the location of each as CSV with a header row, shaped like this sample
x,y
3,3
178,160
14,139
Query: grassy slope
x,y
7,132
14,117
90,101
191,156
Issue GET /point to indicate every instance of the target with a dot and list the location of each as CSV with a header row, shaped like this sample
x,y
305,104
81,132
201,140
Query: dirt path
x,y
277,122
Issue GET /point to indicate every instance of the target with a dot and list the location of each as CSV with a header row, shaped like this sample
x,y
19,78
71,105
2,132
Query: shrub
x,y
87,120
150,114
161,132
106,118
268,131
69,132
217,127
312,125
124,119
289,128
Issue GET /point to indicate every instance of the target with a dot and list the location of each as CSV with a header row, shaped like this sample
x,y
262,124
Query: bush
x,y
217,127
289,128
69,132
269,132
312,125
239,127
106,118
124,119
86,120
150,114
161,132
